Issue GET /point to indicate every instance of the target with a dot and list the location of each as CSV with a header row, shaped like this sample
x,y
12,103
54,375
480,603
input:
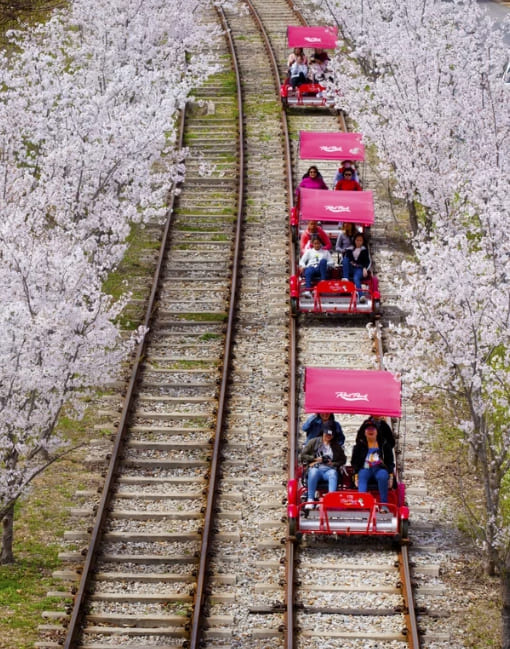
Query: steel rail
x,y
289,640
413,638
197,617
80,599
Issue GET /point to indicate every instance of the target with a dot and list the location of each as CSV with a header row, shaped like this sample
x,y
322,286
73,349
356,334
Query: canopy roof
x,y
330,146
323,37
327,205
363,392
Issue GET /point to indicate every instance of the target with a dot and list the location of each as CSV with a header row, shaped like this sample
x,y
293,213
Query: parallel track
x,y
236,580
139,576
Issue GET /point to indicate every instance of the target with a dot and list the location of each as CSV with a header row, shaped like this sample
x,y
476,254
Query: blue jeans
x,y
356,272
380,474
313,272
324,472
298,81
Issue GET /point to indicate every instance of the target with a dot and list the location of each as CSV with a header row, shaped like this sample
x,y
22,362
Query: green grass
x,y
202,317
39,524
132,265
210,336
191,365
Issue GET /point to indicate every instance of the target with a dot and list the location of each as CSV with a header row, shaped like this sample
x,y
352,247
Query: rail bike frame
x,y
334,295
308,94
347,512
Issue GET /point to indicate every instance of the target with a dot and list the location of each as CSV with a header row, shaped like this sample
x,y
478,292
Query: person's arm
x,y
309,451
388,458
356,464
323,236
306,426
339,458
304,259
339,433
367,262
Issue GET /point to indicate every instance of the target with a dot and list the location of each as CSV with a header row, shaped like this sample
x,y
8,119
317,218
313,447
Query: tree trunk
x,y
7,536
413,217
505,607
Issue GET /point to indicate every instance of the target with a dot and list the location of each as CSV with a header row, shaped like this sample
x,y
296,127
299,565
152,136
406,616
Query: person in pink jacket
x,y
314,229
311,180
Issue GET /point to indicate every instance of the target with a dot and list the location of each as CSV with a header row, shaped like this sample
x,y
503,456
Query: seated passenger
x,y
346,164
312,179
318,64
344,239
314,425
315,264
313,228
298,72
356,263
372,457
297,51
324,457
382,428
347,183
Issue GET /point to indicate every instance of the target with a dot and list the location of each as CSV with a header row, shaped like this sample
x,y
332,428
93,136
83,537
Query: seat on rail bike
x,y
307,94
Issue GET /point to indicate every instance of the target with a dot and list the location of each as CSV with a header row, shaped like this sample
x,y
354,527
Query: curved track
x,y
168,574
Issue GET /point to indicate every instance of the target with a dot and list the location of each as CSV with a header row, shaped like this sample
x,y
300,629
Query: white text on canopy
x,y
351,396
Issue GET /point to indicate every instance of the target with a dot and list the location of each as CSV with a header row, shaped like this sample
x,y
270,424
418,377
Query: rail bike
x,y
312,92
347,511
327,145
334,295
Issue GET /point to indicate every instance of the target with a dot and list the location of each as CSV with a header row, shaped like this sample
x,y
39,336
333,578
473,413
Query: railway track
x,y
169,574
143,545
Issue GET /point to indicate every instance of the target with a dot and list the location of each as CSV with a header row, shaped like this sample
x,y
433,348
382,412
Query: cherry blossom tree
x,y
422,81
87,147
430,76
58,341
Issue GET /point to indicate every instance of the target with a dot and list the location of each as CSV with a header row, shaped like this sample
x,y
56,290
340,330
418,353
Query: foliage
x,y
423,81
87,148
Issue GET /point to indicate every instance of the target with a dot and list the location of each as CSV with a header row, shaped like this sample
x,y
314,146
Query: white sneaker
x,y
309,506
307,294
363,300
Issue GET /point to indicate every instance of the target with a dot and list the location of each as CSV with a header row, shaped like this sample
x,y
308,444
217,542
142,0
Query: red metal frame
x,y
335,296
347,512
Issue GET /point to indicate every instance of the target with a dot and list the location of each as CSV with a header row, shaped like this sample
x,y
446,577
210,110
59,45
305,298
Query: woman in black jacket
x,y
372,457
356,263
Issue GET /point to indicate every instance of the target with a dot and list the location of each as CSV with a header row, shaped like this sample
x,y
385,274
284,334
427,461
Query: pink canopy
x,y
325,205
323,37
330,146
354,392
